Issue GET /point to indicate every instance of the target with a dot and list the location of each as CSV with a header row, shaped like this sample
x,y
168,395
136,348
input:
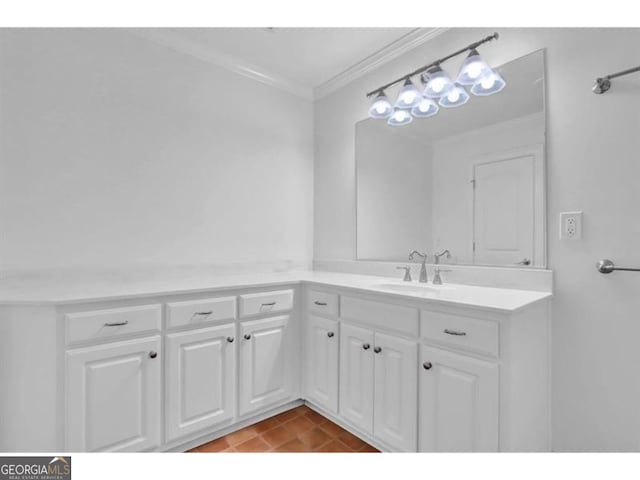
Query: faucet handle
x,y
437,279
407,273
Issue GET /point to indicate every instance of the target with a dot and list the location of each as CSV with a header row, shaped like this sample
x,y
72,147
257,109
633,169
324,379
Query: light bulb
x,y
408,96
381,107
400,117
474,69
437,83
426,108
488,82
456,97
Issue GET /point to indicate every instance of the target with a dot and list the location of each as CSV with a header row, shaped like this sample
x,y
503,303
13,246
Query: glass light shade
x,y
400,117
488,84
437,84
457,96
472,69
381,107
409,95
426,108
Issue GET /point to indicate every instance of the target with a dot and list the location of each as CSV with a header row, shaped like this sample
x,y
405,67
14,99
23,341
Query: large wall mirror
x,y
470,179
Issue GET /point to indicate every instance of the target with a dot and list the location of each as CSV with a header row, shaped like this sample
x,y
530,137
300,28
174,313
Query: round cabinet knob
x,y
153,354
427,365
377,349
230,339
366,346
247,336
330,334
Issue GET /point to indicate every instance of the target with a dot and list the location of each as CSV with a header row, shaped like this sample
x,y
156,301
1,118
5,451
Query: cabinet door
x,y
200,379
396,392
265,363
113,396
322,362
356,376
458,403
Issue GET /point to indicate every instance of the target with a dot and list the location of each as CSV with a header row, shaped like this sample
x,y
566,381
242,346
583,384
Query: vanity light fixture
x,y
426,108
472,69
437,82
400,117
381,107
408,96
488,84
456,97
438,85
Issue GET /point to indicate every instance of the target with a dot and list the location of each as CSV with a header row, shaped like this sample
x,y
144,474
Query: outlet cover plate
x,y
570,225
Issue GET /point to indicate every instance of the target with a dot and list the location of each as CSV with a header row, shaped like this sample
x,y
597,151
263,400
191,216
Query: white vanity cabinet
x,y
168,372
459,398
378,370
266,362
419,376
114,396
321,372
200,379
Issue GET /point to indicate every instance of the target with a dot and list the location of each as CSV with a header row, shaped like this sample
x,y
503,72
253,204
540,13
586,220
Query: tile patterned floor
x,y
297,430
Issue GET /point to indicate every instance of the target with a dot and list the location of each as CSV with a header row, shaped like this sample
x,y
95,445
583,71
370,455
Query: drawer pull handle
x,y
116,324
230,339
270,304
377,349
330,334
153,354
366,346
247,336
321,304
204,313
427,365
454,332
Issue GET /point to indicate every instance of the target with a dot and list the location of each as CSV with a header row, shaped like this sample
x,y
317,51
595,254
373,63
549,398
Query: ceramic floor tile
x,y
294,445
240,436
279,435
335,446
300,429
256,444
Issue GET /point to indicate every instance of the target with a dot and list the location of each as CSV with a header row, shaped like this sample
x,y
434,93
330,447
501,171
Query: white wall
x,y
394,198
117,151
593,165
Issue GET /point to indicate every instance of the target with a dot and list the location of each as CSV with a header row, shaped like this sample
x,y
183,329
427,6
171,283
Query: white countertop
x,y
41,291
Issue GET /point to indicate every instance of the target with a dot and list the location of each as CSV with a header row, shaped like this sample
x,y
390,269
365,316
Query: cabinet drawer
x,y
201,312
322,303
380,315
467,333
265,302
112,323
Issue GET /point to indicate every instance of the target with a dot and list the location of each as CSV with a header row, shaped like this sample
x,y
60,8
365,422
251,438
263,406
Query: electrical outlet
x,y
570,225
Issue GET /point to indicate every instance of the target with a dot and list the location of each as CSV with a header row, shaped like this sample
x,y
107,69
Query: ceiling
x,y
306,61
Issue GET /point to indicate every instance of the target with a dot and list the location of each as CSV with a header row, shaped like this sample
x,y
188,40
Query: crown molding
x,y
170,40
400,46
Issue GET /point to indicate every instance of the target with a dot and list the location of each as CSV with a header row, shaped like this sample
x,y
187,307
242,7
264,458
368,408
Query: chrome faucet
x,y
423,267
436,256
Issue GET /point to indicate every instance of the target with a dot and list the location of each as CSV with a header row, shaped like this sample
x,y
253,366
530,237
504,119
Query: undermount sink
x,y
415,288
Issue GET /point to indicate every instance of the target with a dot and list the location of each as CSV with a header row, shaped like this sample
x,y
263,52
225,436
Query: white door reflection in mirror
x,y
504,209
